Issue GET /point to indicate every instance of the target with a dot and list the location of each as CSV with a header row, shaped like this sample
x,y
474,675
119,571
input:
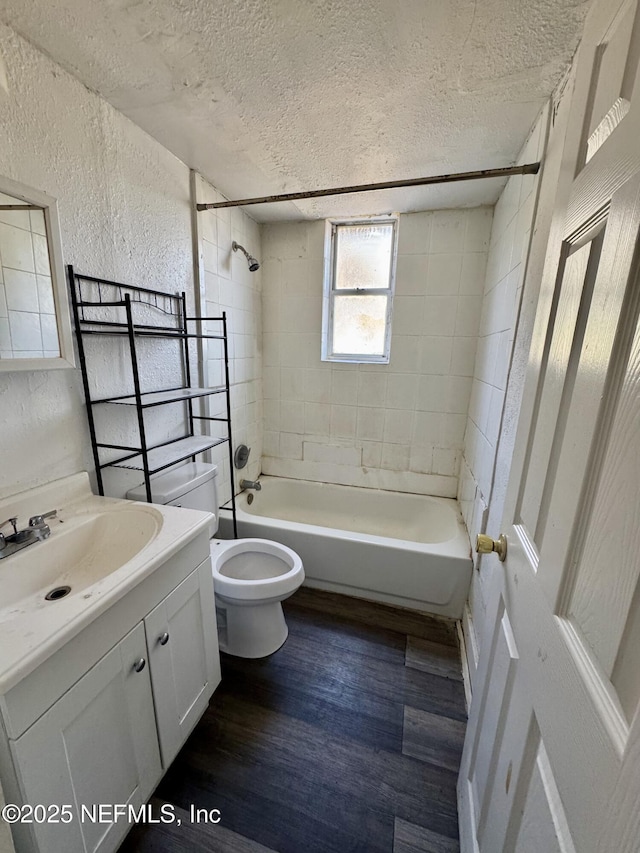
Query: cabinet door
x,y
183,653
97,745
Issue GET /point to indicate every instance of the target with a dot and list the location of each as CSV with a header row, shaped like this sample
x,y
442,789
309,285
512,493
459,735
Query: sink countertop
x,y
33,629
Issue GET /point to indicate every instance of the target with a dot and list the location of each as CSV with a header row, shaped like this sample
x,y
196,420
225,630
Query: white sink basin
x,y
101,548
78,554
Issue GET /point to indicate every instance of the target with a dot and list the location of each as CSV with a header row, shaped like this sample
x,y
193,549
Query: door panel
x,y
183,653
600,603
540,821
614,76
554,728
566,330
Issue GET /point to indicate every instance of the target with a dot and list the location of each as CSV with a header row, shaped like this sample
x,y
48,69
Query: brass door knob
x,y
485,545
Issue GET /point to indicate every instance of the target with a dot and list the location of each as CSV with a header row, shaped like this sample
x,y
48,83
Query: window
x,y
359,279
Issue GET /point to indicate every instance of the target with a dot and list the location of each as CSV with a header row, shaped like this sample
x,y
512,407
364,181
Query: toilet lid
x,y
254,566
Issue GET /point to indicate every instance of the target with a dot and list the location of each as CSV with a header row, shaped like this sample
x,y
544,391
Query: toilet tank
x,y
192,486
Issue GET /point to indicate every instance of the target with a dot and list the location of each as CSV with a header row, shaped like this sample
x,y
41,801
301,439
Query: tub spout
x,y
250,484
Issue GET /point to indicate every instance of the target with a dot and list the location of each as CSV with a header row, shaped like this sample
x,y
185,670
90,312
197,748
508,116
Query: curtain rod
x,y
529,169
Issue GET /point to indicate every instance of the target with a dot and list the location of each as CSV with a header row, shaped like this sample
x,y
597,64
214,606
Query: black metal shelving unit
x,y
107,309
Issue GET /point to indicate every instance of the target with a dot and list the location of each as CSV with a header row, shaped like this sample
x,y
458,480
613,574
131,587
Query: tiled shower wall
x,y
27,313
398,426
481,487
227,285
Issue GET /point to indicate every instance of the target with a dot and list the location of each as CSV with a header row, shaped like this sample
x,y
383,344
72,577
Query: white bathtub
x,y
407,550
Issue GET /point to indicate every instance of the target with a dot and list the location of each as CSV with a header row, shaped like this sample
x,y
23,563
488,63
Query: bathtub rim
x,y
458,546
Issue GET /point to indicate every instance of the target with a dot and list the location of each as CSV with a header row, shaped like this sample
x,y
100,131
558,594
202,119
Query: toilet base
x,y
250,630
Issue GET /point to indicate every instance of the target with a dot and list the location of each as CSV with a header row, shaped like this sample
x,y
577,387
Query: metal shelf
x,y
166,455
160,398
109,299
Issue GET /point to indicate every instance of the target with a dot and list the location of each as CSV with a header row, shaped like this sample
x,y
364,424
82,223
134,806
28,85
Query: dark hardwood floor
x,y
347,740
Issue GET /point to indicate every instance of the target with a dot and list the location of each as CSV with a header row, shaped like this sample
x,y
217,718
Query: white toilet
x,y
251,577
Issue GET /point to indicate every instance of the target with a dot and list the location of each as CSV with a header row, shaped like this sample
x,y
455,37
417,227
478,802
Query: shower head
x,y
253,263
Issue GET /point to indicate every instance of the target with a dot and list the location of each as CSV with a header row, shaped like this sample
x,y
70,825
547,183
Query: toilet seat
x,y
273,578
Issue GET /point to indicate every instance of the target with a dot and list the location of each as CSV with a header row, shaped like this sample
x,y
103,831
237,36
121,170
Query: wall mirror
x,y
35,324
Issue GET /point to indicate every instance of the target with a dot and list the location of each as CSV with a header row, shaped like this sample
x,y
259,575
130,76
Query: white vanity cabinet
x,y
102,719
97,744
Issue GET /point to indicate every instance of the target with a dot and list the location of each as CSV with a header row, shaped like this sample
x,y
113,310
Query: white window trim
x,y
329,291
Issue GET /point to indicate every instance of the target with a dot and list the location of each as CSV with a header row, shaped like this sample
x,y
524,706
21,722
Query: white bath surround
x,y
398,426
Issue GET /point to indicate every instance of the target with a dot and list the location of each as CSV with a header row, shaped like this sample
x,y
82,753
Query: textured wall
x,y
398,426
227,285
124,214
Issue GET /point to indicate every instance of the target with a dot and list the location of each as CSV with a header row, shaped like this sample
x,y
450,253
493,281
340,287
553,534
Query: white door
x,y
183,653
552,755
97,745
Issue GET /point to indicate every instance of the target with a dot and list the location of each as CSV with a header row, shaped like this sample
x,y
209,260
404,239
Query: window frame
x,y
330,290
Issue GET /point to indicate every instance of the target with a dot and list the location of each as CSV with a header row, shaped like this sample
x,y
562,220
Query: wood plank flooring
x,y
347,740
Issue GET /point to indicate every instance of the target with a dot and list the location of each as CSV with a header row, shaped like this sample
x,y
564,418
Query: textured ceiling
x,y
270,96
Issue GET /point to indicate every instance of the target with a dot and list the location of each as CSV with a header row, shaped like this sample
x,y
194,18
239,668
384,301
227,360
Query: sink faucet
x,y
250,484
13,521
38,525
19,539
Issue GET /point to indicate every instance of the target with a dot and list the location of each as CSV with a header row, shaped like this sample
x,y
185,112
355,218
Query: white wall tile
x,y
317,418
395,457
370,423
41,254
398,427
292,416
414,232
371,453
401,391
49,329
440,315
372,389
468,316
343,421
408,315
16,248
444,273
331,453
21,290
411,275
290,445
463,356
472,275
317,385
448,230
5,336
344,387
435,355
405,354
478,233
376,408
25,330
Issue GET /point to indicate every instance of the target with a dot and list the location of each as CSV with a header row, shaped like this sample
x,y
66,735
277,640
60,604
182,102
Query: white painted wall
x,y
227,285
398,426
480,487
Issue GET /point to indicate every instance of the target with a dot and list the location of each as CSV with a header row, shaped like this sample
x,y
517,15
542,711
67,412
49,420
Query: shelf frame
x,y
89,293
